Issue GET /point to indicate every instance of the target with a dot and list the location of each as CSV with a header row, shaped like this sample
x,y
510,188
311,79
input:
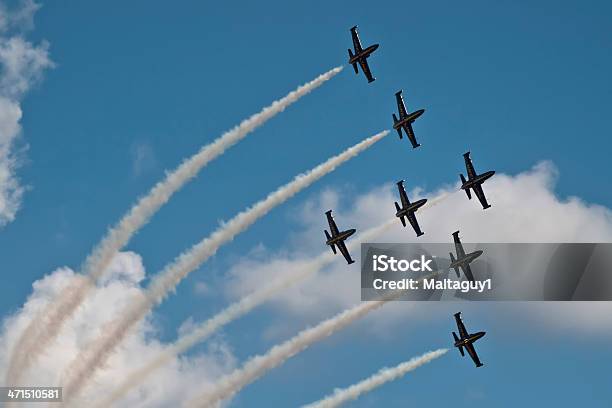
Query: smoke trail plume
x,y
87,362
256,366
234,311
340,396
45,327
244,306
259,365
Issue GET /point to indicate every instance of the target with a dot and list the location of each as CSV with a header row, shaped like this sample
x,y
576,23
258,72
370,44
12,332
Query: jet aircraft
x,y
361,55
336,239
475,181
466,340
408,209
405,120
463,260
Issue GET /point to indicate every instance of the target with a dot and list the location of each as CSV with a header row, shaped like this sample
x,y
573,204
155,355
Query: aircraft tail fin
x,y
332,246
452,257
467,190
459,347
354,64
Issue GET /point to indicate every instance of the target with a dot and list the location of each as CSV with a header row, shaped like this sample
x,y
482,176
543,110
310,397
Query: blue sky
x,y
138,86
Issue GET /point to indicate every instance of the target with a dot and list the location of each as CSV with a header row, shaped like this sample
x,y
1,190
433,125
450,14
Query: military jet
x,y
361,56
475,181
466,340
337,237
408,209
405,120
463,260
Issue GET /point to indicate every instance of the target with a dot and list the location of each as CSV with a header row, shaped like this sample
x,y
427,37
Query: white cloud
x,y
169,386
21,66
525,209
21,18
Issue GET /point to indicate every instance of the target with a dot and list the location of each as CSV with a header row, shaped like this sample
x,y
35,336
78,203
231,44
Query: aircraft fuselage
x,y
479,179
466,260
411,208
408,119
341,236
470,339
363,54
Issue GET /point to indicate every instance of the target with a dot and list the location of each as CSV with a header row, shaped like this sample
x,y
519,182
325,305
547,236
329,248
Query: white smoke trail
x,y
87,362
45,327
234,311
256,366
244,306
340,396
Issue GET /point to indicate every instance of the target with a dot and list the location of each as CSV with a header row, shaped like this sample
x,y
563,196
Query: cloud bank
x,y
22,65
169,386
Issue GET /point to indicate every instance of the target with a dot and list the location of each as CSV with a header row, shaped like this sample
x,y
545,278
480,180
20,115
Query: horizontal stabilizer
x,y
354,63
467,190
452,257
333,247
459,347
399,128
401,217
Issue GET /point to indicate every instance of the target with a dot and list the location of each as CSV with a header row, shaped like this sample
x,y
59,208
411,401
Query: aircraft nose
x,y
375,47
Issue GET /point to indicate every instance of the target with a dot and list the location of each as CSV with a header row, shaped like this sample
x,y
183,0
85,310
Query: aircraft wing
x,y
472,352
481,196
414,223
469,167
467,270
403,196
401,107
344,251
356,42
363,62
332,224
462,332
410,133
458,246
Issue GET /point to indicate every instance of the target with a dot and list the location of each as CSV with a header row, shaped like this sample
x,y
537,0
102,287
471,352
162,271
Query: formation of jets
x,y
358,58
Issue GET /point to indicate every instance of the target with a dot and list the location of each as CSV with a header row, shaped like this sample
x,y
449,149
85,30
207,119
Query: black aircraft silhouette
x,y
361,55
337,237
475,181
466,339
408,209
405,120
463,260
